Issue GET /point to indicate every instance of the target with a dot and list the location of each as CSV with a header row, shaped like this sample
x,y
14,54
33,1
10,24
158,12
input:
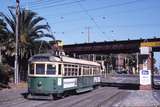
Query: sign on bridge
x,y
150,44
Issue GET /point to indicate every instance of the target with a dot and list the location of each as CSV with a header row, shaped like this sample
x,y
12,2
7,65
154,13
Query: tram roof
x,y
78,61
50,57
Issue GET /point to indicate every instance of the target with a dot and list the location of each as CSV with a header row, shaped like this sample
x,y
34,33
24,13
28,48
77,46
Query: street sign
x,y
145,50
145,77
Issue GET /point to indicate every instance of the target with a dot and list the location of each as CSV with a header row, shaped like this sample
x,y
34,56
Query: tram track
x,y
108,99
95,100
7,100
116,97
74,100
24,103
88,100
73,104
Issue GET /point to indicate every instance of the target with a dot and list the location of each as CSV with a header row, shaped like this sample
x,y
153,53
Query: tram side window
x,y
90,69
59,69
31,69
65,71
51,69
80,70
40,68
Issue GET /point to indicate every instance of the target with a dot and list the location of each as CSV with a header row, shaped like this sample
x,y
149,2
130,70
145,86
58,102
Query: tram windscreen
x,y
40,68
51,69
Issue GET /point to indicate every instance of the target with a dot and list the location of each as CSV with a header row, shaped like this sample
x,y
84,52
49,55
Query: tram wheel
x,y
57,96
54,97
26,95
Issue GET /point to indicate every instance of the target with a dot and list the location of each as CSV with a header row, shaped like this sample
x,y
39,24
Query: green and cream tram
x,y
55,75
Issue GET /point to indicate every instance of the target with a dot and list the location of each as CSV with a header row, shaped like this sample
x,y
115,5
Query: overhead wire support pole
x,y
16,76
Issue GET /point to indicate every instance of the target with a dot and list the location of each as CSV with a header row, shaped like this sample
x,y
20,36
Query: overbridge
x,y
107,47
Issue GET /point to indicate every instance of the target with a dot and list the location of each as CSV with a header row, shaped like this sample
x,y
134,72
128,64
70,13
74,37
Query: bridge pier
x,y
146,69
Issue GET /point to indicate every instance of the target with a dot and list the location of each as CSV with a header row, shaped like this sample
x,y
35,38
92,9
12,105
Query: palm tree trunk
x,y
0,55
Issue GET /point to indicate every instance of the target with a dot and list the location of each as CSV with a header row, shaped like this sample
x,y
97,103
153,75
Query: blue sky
x,y
107,19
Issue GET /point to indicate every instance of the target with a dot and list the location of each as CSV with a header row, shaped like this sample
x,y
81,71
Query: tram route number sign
x,y
145,77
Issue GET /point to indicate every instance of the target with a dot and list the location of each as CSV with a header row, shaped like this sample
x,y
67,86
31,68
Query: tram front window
x,y
51,69
40,68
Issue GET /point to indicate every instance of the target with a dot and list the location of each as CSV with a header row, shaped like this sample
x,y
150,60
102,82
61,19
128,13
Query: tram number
x,y
59,81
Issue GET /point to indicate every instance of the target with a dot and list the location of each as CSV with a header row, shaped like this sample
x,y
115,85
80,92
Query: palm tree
x,y
4,37
31,28
131,62
2,26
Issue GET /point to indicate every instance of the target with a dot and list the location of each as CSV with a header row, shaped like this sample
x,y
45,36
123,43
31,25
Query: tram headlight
x,y
39,84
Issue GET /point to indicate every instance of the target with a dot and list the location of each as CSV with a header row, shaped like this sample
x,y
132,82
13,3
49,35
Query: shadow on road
x,y
125,86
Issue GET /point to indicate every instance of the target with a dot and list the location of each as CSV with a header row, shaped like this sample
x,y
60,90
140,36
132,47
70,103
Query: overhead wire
x,y
91,18
46,3
98,8
54,5
104,16
38,1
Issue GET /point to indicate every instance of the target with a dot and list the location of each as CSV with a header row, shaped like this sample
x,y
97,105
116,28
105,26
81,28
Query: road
x,y
101,97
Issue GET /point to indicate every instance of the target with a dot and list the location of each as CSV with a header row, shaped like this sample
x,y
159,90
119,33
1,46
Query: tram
x,y
56,75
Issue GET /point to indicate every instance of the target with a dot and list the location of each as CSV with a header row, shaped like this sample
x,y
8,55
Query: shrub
x,y
5,71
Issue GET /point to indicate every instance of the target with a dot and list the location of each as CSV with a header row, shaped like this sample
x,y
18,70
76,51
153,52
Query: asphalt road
x,y
101,97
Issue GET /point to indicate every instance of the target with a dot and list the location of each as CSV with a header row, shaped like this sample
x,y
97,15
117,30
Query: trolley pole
x,y
16,76
88,34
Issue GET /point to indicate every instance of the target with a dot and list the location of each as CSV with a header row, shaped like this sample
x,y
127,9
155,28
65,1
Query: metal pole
x,y
17,33
0,54
137,62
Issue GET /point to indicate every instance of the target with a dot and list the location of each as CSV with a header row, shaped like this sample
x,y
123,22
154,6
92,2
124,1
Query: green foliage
x,y
5,72
31,28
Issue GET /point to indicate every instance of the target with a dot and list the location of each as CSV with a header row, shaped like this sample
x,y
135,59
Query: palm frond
x,y
38,27
35,21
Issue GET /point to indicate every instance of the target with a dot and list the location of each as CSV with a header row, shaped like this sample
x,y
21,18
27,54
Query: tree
x,y
4,36
31,28
2,32
131,62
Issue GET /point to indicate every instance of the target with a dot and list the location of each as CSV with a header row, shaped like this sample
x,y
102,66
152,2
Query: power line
x,y
54,5
38,1
103,7
46,3
104,16
91,18
117,12
135,25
